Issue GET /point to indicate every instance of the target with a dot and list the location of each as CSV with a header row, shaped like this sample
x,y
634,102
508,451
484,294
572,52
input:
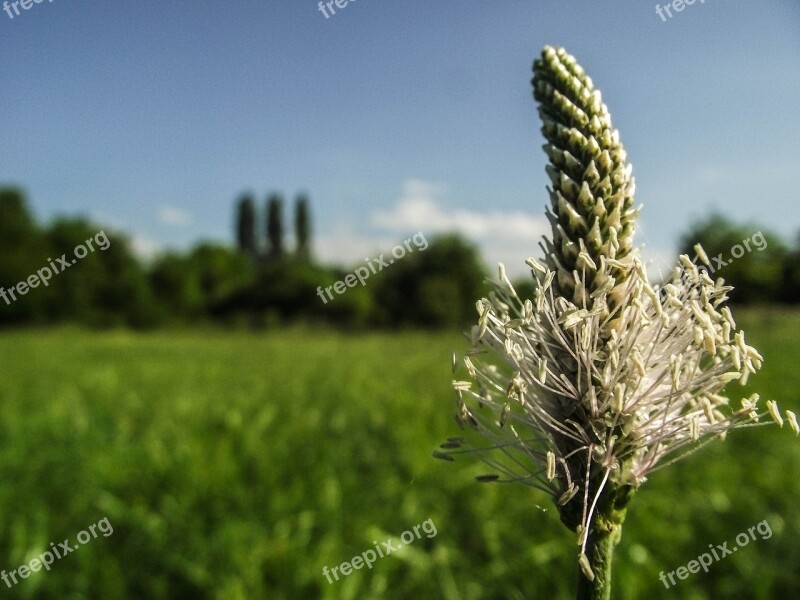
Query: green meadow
x,y
236,465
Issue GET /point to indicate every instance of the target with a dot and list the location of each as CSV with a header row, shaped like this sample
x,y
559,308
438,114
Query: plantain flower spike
x,y
601,377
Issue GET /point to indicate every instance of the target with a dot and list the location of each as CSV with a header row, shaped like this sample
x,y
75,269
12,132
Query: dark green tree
x,y
107,287
790,275
23,250
16,221
190,286
302,228
124,296
749,258
275,227
220,271
246,226
431,287
177,287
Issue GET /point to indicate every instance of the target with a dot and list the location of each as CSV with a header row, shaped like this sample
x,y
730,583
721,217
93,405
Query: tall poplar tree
x,y
275,227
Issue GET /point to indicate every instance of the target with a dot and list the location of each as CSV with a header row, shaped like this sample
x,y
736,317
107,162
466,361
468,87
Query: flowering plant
x,y
601,377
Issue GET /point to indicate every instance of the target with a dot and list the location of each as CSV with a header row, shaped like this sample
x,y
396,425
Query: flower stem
x,y
600,550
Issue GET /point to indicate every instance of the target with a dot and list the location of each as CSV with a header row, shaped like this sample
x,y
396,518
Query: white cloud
x,y
143,247
502,236
169,215
346,247
419,208
659,263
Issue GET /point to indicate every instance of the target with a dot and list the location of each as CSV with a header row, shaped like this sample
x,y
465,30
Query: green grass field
x,y
235,465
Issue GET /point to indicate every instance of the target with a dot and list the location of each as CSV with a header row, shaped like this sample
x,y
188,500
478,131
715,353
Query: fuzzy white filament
x,y
601,377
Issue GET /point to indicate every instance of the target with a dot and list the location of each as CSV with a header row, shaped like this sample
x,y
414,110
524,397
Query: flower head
x,y
601,377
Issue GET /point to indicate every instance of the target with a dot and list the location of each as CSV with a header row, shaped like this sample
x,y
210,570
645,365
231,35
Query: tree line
x,y
270,247
259,281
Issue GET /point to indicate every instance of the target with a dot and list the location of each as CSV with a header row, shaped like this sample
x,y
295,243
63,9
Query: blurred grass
x,y
237,466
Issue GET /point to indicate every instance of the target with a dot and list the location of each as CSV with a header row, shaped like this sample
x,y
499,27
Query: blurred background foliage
x,y
238,465
254,435
260,282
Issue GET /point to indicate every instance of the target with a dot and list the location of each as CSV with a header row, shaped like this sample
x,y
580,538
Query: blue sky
x,y
394,117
